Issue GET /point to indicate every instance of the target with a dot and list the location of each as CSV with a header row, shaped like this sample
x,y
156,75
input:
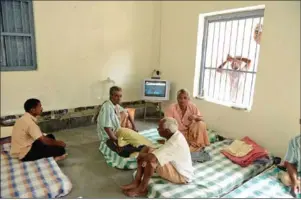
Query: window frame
x,y
220,18
32,67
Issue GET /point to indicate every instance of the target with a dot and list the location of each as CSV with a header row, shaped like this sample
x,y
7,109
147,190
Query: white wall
x,y
79,43
274,117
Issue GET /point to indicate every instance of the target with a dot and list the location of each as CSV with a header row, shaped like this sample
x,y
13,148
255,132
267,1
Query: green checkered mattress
x,y
114,160
265,185
212,179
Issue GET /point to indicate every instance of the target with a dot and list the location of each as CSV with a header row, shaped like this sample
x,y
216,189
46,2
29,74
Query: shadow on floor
x,y
86,168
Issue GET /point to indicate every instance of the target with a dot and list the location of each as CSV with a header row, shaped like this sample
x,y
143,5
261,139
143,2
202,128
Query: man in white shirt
x,y
172,161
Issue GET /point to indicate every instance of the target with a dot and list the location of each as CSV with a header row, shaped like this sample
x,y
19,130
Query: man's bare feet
x,y
130,186
60,157
135,192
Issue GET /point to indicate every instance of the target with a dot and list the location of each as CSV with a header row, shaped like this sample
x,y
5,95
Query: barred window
x,y
229,59
17,36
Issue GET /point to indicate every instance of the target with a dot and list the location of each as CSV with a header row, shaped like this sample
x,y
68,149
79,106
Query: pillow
x,y
128,136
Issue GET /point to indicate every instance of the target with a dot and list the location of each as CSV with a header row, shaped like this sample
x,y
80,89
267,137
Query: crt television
x,y
155,90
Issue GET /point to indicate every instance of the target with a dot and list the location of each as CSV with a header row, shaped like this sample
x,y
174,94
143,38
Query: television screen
x,y
155,88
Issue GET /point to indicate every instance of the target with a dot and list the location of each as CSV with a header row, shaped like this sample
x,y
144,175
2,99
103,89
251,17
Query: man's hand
x,y
118,148
191,117
229,58
135,129
219,69
195,118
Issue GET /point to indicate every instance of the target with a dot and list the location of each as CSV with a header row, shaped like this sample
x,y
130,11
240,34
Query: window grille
x,y
230,52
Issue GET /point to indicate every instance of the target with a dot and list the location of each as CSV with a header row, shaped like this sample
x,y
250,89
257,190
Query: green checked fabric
x,y
212,179
114,160
265,185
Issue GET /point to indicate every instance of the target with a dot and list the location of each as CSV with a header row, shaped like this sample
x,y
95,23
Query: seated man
x,y
28,143
172,161
293,165
110,118
190,121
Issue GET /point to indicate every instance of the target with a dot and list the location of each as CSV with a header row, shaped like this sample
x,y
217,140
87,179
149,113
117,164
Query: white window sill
x,y
230,105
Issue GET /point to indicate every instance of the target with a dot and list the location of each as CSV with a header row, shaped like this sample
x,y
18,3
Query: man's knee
x,y
146,149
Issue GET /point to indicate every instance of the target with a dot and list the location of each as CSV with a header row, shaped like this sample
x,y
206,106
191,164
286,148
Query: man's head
x,y
167,127
33,106
115,94
183,97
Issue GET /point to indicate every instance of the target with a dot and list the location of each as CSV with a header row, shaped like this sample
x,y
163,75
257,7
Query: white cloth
x,y
238,148
177,152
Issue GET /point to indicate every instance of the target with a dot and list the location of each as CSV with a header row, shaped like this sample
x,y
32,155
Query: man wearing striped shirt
x,y
293,165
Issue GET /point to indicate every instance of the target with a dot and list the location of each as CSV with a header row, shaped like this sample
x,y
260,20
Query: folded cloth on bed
x,y
238,148
256,153
37,179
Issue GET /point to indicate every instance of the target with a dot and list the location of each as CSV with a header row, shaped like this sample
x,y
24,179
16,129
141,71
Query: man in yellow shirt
x,y
28,142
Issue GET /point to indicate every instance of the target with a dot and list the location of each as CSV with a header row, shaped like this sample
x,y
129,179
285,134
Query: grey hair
x,y
170,124
183,91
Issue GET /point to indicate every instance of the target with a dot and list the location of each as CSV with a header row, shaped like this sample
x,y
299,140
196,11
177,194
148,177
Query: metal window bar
x,y
217,49
250,38
235,48
220,77
213,38
217,19
225,87
254,63
242,48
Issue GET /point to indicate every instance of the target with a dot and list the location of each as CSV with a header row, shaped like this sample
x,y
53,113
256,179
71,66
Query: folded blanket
x,y
256,153
238,148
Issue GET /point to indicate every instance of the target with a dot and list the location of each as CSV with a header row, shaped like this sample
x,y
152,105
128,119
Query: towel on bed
x,y
256,153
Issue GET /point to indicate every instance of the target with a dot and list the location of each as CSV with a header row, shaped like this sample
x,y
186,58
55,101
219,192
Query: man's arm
x,y
292,172
51,142
291,161
105,121
132,122
246,60
111,134
196,116
35,132
222,65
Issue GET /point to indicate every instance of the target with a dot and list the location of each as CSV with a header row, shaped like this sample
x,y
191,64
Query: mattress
x,y
114,160
212,179
37,179
265,185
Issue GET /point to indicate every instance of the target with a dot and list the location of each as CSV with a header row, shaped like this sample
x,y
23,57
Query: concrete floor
x,y
86,168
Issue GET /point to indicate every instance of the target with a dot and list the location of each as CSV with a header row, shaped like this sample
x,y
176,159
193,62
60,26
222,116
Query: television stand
x,y
149,104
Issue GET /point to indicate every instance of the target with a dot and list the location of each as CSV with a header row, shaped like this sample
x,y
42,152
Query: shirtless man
x,y
172,161
292,159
